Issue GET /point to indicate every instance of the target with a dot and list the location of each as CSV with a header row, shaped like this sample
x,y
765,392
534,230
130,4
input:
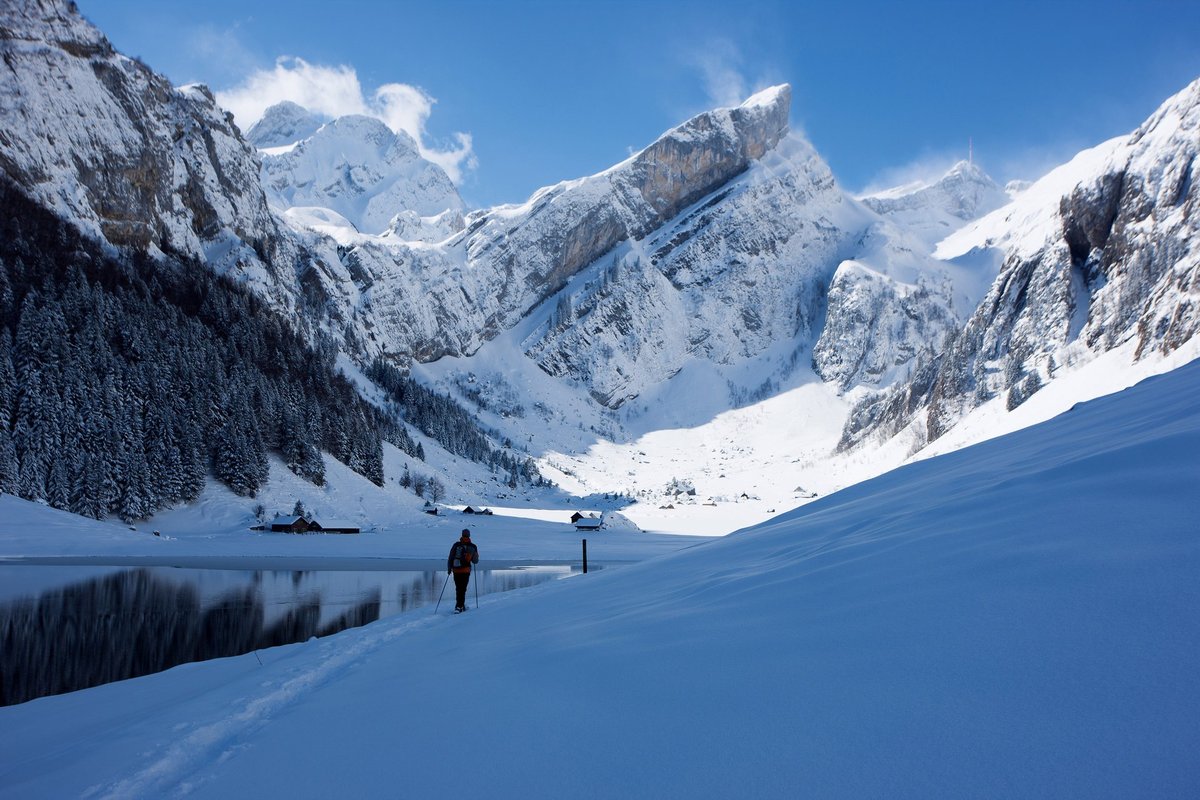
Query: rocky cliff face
x,y
103,140
877,328
566,227
449,299
744,268
1101,253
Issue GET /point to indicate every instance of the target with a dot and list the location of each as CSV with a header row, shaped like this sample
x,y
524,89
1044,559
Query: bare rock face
x,y
566,227
104,141
743,269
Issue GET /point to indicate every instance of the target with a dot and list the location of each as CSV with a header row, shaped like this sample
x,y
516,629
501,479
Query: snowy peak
x,y
581,220
283,124
935,210
355,166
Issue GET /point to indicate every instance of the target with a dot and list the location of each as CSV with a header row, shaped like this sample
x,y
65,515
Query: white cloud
x,y
335,92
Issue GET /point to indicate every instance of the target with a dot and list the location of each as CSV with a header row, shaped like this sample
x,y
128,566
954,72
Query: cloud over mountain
x,y
336,91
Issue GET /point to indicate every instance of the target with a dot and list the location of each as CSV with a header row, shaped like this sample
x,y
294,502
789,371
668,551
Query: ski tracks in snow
x,y
172,768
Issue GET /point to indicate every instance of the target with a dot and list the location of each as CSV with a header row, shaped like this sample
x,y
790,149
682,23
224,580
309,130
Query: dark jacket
x,y
470,555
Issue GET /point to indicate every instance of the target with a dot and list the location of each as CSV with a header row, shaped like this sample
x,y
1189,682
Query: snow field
x,y
1017,619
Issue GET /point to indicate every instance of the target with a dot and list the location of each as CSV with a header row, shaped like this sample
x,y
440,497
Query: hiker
x,y
462,555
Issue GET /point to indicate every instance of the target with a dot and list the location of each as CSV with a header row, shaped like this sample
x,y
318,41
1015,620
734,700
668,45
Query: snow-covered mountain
x,y
717,242
353,165
1100,254
109,144
283,125
935,210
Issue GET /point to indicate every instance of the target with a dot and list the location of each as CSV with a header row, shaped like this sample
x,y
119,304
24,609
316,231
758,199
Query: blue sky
x,y
518,95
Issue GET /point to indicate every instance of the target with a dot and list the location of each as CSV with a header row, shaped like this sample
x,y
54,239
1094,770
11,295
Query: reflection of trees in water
x,y
132,624
418,591
514,579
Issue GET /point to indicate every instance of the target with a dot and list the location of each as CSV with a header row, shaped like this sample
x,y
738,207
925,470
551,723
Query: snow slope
x,y
1016,619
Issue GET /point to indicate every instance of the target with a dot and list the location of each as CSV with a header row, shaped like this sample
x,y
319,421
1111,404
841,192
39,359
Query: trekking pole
x,y
439,602
477,594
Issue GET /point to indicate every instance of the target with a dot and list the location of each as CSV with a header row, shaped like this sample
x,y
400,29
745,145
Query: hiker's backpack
x,y
462,556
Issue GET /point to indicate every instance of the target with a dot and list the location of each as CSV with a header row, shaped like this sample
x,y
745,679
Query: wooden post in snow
x,y
585,556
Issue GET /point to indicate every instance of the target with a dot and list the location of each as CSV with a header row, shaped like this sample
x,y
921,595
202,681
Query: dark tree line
x,y
124,381
449,424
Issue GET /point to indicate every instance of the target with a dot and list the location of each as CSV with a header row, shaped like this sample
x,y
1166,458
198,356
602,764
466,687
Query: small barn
x,y
339,526
430,508
290,524
588,522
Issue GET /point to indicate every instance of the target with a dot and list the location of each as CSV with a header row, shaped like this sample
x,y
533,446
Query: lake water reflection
x,y
84,627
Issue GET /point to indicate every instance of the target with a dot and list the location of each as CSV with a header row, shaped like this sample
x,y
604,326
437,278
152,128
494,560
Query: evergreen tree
x,y
8,380
8,464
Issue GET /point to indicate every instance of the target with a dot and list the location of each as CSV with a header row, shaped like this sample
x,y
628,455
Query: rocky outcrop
x,y
877,328
566,227
741,270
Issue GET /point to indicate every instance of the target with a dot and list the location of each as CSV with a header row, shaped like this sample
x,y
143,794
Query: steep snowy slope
x,y
1101,252
1015,619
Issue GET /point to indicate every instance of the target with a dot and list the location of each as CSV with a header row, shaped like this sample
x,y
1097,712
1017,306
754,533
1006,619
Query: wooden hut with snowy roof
x,y
291,523
587,522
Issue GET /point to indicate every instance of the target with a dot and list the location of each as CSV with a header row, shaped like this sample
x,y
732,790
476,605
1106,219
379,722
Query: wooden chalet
x,y
290,524
588,522
486,512
297,524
